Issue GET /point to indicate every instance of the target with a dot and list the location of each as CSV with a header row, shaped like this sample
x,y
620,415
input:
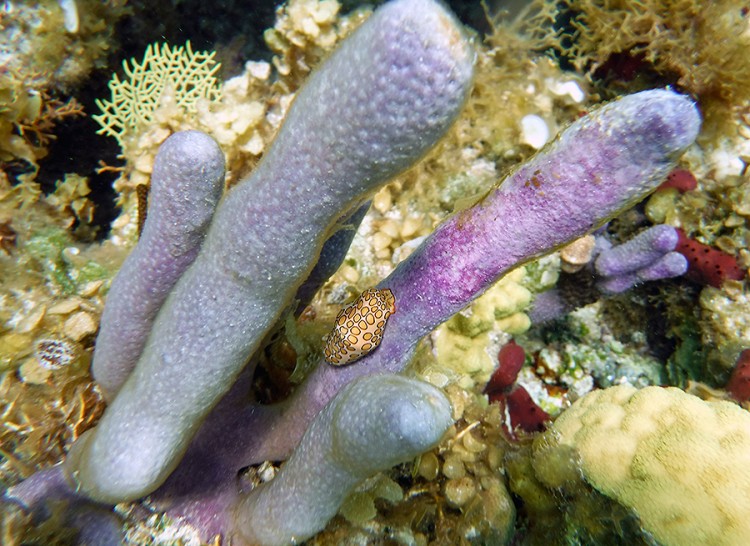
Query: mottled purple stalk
x,y
186,184
371,110
601,165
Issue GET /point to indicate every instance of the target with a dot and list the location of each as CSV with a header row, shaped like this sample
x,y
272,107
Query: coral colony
x,y
407,91
210,279
189,180
214,312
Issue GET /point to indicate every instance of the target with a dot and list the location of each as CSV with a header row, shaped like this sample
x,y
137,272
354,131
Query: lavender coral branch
x,y
371,425
648,256
374,107
186,184
599,166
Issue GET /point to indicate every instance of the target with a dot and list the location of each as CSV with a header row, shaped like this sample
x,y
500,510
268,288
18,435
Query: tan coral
x,y
681,464
305,30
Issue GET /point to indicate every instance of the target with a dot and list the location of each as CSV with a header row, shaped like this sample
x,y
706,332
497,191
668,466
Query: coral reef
x,y
242,113
537,209
676,38
535,73
464,344
592,266
424,286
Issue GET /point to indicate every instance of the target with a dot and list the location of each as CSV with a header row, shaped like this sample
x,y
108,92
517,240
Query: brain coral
x,y
681,464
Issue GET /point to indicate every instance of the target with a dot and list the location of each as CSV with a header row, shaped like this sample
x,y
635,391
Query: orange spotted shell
x,y
359,326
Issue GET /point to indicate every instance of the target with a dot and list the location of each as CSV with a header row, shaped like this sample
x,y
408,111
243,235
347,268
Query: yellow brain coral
x,y
681,464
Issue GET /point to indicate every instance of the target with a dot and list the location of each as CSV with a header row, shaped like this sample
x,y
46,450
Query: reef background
x,y
70,204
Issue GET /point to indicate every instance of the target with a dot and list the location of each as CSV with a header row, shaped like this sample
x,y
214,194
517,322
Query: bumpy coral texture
x,y
681,464
373,424
375,107
186,185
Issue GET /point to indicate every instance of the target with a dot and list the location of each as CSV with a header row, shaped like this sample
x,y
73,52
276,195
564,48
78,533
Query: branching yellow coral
x,y
178,74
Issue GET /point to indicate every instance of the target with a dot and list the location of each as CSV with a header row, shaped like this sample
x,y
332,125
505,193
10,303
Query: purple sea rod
x,y
601,165
390,90
382,99
598,167
648,256
186,184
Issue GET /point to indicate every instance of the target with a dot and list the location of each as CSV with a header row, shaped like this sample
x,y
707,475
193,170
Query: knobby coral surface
x,y
346,134
645,132
680,463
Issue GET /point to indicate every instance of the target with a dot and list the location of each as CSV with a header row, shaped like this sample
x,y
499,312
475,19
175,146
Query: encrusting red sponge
x,y
511,358
680,179
523,412
738,386
707,265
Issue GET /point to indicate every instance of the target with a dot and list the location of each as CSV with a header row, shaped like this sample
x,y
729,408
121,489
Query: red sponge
x,y
680,179
706,264
523,413
738,386
511,359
